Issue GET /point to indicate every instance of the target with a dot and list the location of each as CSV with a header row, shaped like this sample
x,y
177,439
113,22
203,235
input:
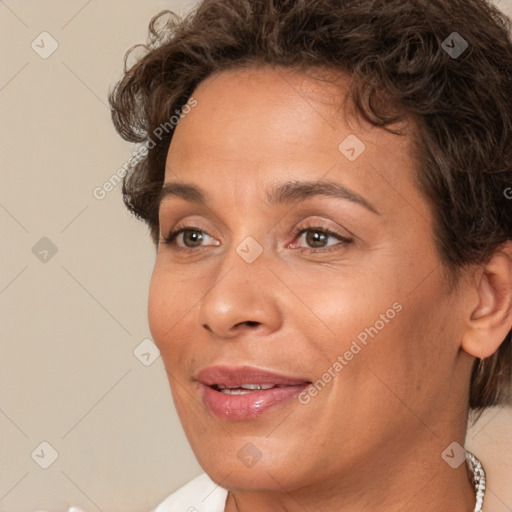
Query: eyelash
x,y
171,237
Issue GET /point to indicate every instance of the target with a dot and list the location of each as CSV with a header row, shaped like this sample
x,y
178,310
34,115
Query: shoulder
x,y
199,495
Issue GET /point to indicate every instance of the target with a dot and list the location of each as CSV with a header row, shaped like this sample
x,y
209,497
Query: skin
x,y
372,439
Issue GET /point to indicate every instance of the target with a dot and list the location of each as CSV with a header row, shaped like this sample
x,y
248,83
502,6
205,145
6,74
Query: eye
x,y
317,237
192,237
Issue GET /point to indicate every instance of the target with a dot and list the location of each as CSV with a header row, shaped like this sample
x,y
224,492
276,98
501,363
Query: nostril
x,y
246,325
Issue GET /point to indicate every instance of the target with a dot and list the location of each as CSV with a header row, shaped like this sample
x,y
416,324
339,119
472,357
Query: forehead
x,y
257,126
275,107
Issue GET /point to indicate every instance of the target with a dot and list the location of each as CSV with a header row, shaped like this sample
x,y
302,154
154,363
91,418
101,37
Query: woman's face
x,y
356,329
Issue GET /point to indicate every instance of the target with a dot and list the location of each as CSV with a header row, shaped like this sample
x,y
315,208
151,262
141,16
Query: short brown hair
x,y
400,50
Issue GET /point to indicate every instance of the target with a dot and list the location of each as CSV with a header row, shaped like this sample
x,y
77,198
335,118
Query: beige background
x,y
71,322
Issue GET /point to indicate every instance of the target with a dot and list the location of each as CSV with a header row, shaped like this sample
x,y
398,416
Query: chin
x,y
259,478
250,463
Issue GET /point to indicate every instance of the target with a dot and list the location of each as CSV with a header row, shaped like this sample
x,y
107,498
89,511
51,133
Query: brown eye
x,y
318,238
192,238
195,237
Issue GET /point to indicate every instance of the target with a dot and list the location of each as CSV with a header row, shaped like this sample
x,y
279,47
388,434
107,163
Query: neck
x,y
417,481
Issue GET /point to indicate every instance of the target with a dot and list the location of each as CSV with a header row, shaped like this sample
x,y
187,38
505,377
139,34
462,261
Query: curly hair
x,y
400,56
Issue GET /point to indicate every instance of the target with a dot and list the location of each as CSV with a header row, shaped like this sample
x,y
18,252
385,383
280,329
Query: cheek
x,y
157,305
172,304
166,310
411,356
352,310
166,314
405,339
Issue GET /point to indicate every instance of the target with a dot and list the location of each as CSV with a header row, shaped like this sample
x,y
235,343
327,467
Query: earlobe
x,y
490,320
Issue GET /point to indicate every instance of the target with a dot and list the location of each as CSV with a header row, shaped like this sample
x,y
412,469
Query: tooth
x,y
257,386
243,389
251,386
236,391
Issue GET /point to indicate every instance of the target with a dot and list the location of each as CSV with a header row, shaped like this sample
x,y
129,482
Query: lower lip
x,y
250,405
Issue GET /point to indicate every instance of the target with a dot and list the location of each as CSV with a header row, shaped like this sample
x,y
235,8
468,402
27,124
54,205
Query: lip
x,y
250,405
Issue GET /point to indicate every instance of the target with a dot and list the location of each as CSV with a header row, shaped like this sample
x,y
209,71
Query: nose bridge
x,y
246,251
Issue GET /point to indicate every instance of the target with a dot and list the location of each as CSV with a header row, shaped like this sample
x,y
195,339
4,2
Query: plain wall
x,y
70,321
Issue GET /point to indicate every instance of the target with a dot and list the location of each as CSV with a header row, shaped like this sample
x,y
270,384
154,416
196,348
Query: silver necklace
x,y
478,473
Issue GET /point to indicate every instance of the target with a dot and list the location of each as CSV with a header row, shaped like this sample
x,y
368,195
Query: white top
x,y
199,495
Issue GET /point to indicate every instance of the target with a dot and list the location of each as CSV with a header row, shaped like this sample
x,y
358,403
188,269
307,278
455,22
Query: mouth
x,y
243,389
244,393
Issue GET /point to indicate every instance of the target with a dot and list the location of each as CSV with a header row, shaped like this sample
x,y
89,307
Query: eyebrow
x,y
287,192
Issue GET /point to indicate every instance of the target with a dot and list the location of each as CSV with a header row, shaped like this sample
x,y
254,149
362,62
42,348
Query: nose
x,y
243,298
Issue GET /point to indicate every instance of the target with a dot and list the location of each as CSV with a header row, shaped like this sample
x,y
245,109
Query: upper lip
x,y
237,376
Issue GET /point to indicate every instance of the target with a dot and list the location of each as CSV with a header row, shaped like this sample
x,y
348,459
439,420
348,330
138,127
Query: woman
x,y
332,290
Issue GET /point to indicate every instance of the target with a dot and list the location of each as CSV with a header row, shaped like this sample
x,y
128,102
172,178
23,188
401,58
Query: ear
x,y
490,319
